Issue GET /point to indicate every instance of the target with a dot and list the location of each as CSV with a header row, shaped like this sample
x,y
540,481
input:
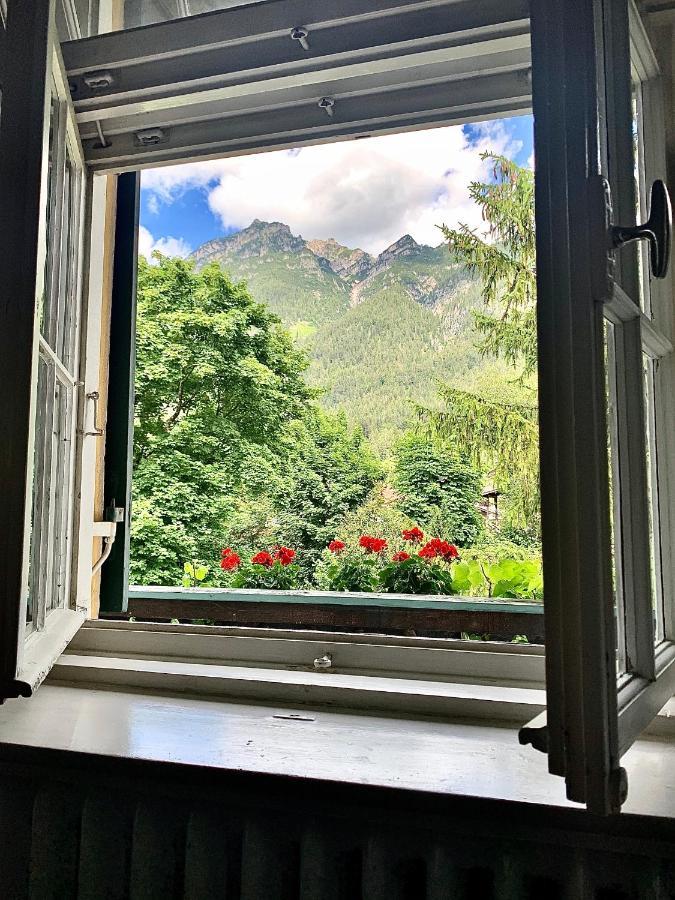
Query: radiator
x,y
92,828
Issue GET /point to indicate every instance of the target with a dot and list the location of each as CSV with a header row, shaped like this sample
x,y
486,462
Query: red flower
x,y
229,562
284,555
372,544
437,547
428,552
263,559
413,534
226,552
336,546
401,556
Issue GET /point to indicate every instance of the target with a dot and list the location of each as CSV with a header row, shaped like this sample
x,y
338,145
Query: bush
x,y
416,576
437,488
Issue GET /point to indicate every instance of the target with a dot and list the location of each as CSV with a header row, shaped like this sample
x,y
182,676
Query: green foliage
x,y
516,579
500,438
437,488
193,575
499,433
416,576
504,260
218,381
350,571
276,577
507,578
379,514
229,447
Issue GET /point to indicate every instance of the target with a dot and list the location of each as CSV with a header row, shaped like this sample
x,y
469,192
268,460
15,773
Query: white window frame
x,y
30,648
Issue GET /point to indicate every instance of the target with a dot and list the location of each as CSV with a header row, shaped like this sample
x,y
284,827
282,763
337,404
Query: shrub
x,y
437,488
416,575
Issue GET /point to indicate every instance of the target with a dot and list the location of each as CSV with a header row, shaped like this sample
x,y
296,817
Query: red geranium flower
x,y
263,559
372,544
336,546
226,552
231,561
401,556
428,552
437,547
413,534
284,555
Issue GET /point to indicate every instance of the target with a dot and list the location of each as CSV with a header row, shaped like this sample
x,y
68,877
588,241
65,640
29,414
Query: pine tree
x,y
501,437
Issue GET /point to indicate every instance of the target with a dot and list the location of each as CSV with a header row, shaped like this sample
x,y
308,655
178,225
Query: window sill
x,y
404,676
444,758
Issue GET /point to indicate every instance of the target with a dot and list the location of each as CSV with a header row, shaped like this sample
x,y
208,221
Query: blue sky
x,y
364,193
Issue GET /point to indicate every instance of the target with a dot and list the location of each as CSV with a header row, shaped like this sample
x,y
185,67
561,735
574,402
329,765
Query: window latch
x,y
657,230
323,662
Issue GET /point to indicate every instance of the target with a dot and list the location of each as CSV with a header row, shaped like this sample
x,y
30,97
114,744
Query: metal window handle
x,y
657,230
94,396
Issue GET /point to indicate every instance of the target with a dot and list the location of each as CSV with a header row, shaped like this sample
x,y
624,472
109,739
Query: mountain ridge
x,y
380,330
350,264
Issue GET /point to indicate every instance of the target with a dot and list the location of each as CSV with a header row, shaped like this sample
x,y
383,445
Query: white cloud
x,y
364,193
167,246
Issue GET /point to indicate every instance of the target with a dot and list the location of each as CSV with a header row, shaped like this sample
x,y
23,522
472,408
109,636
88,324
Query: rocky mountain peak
x,y
346,263
404,246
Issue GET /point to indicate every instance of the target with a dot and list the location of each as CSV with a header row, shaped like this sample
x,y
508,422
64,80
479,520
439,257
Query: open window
x,y
604,334
295,75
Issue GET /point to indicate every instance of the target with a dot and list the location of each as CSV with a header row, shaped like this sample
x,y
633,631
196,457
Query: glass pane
x,y
641,201
652,482
615,507
67,326
61,494
46,313
42,478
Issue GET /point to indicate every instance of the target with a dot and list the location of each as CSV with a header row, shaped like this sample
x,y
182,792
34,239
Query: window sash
x,y
593,717
41,227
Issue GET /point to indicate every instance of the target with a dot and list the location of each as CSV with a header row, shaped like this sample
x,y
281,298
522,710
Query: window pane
x,y
641,200
652,480
41,477
61,494
46,313
615,507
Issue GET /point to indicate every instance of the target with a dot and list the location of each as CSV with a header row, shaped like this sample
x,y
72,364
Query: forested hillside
x,y
379,331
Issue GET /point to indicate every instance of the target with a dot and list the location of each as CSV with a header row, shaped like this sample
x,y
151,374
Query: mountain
x,y
380,330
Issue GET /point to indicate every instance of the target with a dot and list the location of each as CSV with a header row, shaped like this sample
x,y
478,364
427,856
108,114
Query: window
x,y
388,69
46,323
334,452
594,371
57,385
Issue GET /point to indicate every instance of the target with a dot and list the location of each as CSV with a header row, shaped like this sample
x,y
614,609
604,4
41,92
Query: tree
x,y
500,435
218,380
504,260
326,470
438,489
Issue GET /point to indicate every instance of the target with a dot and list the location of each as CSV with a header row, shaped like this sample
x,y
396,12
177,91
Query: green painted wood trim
x,y
120,416
335,598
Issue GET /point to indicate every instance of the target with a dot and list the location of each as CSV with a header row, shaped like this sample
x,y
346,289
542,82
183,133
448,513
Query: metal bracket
x,y
327,104
94,396
300,34
98,81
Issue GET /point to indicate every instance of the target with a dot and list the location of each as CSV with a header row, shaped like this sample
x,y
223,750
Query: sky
x,y
365,193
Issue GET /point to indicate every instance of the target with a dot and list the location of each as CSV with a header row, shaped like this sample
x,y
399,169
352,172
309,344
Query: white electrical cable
x,y
108,543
